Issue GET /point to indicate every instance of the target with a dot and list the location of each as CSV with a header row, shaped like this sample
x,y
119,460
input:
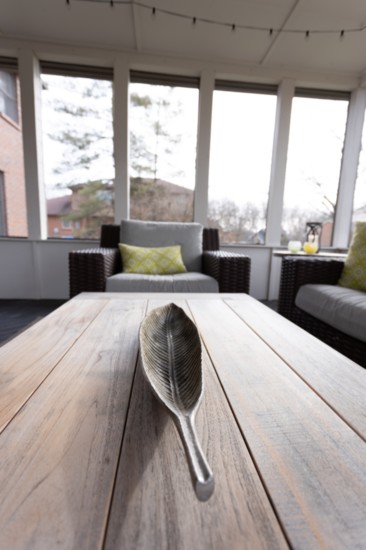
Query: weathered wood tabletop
x,y
90,459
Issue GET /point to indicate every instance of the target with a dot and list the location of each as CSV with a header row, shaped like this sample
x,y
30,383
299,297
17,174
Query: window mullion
x,y
29,75
348,175
279,158
203,146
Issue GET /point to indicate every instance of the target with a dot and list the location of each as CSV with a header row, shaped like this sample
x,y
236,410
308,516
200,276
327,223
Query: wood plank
x,y
59,455
154,505
340,382
28,359
312,463
171,296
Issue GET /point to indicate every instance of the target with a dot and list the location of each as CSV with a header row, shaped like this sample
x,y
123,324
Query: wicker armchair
x,y
296,272
89,268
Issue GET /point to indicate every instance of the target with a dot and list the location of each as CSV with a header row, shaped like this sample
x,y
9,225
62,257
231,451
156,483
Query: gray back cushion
x,y
153,234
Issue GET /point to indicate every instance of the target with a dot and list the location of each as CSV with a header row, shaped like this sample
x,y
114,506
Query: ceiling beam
x,y
278,33
136,27
363,79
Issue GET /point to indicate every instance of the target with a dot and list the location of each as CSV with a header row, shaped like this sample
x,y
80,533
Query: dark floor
x,y
17,315
270,303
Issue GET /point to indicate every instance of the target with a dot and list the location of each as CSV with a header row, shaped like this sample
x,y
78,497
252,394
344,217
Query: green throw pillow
x,y
152,261
354,271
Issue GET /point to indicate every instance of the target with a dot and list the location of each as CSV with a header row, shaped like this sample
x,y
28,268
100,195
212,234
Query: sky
x,y
241,141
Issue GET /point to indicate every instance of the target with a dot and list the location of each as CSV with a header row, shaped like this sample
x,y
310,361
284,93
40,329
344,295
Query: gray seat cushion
x,y
180,282
342,308
152,234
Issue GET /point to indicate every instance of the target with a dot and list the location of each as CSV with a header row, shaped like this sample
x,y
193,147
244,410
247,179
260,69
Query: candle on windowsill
x,y
310,247
294,246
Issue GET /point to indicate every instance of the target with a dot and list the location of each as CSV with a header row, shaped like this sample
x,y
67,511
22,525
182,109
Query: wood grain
x,y
90,460
28,359
59,455
339,381
154,505
312,463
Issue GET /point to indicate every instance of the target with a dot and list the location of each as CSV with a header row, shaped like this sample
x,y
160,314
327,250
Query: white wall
x,y
37,270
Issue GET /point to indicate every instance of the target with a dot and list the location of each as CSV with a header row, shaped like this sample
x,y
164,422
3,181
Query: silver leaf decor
x,y
171,361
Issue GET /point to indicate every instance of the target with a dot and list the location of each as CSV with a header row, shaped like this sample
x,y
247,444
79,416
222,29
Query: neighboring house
x,y
81,212
57,209
327,233
359,215
13,217
156,199
326,238
89,205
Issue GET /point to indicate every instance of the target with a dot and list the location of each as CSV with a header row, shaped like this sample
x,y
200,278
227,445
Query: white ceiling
x,y
134,28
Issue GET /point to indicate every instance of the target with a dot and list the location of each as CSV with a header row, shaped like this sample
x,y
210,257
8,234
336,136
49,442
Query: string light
x,y
233,26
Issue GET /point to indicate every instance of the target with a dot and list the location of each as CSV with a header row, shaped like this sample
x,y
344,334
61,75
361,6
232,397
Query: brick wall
x,y
56,227
12,166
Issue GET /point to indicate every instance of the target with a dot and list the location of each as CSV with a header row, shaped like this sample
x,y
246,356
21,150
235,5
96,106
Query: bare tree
x,y
236,223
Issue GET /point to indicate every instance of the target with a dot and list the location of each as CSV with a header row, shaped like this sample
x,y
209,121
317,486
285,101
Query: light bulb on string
x,y
272,31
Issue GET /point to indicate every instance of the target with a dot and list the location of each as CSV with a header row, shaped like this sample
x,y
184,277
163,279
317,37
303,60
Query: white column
x,y
207,86
279,158
348,175
121,139
30,88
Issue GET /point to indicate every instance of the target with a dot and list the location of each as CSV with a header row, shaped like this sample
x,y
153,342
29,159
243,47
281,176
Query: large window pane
x,y
240,164
13,215
163,141
359,203
313,166
9,95
78,155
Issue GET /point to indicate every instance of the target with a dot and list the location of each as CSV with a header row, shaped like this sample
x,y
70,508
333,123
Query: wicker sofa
x,y
300,271
89,269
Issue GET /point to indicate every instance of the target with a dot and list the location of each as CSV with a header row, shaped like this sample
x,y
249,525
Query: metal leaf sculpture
x,y
171,361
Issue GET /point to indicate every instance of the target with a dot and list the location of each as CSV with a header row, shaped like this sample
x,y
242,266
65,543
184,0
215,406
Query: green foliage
x,y
140,101
92,205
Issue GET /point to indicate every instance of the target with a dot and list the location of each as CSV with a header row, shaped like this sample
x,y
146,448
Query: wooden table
x,y
89,459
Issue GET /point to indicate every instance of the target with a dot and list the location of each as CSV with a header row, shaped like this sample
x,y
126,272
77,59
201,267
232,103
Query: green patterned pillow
x,y
152,261
354,271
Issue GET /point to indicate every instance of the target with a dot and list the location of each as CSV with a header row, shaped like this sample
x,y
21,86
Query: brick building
x,y
57,210
13,216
